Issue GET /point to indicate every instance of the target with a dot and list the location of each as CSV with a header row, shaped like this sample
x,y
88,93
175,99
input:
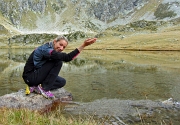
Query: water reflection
x,y
11,67
105,74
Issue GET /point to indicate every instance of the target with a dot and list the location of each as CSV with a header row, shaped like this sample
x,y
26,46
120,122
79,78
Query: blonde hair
x,y
61,38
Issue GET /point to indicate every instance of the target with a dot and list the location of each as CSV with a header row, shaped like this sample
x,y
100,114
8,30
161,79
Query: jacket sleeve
x,y
64,56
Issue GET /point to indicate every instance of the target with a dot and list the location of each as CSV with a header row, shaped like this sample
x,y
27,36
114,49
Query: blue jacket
x,y
44,53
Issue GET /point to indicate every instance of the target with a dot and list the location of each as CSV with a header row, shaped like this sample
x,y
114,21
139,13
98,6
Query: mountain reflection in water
x,y
97,74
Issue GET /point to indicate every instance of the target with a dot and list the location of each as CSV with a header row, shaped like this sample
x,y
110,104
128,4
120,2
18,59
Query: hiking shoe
x,y
46,94
34,89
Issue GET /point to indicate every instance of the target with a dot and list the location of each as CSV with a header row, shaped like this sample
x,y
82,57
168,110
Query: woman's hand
x,y
87,42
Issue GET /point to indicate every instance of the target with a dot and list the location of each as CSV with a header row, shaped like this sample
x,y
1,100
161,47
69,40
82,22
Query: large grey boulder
x,y
34,101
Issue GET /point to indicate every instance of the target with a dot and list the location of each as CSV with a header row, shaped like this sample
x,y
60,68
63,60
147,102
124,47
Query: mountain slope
x,y
67,16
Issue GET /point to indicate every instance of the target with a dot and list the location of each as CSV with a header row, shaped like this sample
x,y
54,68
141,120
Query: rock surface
x,y
119,112
123,108
34,101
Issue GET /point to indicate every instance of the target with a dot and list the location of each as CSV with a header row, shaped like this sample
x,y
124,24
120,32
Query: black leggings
x,y
47,76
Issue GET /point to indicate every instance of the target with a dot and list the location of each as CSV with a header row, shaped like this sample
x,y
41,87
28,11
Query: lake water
x,y
97,74
107,74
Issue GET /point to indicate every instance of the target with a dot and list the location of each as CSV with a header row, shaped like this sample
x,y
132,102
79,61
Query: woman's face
x,y
60,45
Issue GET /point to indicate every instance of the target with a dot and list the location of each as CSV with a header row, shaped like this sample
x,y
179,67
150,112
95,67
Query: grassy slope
x,y
7,32
7,24
166,39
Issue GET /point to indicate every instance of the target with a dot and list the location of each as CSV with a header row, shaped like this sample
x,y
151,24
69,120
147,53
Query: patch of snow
x,y
169,1
148,16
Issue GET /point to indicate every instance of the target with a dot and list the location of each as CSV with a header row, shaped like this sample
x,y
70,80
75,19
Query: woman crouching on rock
x,y
44,64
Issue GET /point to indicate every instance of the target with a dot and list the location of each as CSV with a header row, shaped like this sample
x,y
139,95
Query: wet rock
x,y
171,102
34,101
124,110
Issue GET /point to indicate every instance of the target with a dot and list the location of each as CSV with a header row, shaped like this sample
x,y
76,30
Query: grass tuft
x,y
28,117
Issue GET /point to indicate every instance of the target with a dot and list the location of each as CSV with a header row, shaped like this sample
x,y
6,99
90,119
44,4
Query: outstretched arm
x,y
87,42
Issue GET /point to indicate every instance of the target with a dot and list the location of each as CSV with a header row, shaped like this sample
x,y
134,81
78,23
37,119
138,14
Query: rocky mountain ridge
x,y
83,15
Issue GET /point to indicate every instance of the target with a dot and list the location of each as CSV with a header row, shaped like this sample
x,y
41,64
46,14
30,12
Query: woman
x,y
44,64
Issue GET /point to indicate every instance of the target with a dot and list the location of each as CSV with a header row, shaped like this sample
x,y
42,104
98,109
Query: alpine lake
x,y
106,74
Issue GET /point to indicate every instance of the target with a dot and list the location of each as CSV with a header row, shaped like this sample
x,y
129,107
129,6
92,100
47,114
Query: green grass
x,y
28,117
